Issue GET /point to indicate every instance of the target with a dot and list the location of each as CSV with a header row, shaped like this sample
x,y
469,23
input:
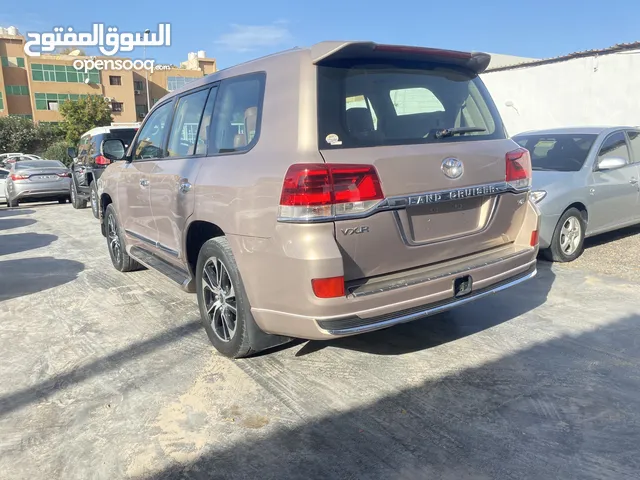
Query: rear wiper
x,y
449,132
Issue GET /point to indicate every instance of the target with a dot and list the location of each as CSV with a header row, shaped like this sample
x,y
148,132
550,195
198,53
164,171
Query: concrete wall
x,y
602,90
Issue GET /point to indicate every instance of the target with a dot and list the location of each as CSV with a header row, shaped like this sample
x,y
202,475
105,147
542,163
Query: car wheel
x,y
75,198
224,308
115,243
567,242
94,200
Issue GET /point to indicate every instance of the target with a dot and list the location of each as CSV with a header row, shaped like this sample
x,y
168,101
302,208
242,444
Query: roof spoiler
x,y
325,51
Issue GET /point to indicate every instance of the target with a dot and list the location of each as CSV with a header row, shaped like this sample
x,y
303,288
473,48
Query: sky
x,y
237,31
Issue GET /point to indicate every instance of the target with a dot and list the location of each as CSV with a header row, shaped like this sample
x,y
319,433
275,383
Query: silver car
x,y
37,180
4,173
585,182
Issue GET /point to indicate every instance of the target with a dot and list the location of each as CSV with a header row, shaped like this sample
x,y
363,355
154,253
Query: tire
x,y
76,201
94,200
567,242
115,243
243,336
12,203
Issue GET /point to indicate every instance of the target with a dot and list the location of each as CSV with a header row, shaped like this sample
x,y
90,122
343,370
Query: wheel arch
x,y
198,232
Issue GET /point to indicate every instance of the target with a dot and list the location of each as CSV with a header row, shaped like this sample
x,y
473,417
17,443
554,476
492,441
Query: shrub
x,y
58,151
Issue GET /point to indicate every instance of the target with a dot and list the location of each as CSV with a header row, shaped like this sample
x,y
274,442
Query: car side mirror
x,y
113,149
611,163
72,152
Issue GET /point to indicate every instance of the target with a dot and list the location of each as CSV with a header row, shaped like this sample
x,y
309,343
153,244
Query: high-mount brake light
x,y
518,169
325,191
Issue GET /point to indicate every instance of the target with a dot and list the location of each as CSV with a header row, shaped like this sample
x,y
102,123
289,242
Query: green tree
x,y
58,151
17,134
82,115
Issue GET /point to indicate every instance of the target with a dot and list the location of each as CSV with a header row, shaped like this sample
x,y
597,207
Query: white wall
x,y
601,90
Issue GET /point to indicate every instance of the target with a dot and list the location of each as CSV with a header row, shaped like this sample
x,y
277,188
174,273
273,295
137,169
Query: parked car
x,y
356,197
89,163
37,180
585,182
10,159
4,173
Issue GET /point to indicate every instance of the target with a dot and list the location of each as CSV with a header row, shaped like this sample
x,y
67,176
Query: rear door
x,y
174,176
614,192
389,114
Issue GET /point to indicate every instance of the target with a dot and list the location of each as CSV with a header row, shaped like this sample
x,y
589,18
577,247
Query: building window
x,y
116,106
12,62
17,89
1,102
115,80
62,74
141,111
28,116
137,85
173,83
51,105
43,99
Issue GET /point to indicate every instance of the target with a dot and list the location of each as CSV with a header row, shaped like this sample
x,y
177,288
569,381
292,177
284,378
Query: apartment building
x,y
34,87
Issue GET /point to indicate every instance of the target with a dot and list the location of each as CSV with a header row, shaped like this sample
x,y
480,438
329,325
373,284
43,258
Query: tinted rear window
x,y
401,103
124,134
39,164
561,152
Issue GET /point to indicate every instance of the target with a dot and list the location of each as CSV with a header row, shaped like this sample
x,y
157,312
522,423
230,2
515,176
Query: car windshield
x,y
362,105
27,164
559,152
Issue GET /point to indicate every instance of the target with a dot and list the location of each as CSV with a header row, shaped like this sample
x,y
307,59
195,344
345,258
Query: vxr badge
x,y
354,231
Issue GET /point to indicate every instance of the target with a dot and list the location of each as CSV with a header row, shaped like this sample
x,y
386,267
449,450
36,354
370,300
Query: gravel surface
x,y
615,253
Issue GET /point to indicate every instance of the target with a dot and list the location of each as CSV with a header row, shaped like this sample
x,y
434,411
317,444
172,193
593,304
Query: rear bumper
x,y
432,297
40,192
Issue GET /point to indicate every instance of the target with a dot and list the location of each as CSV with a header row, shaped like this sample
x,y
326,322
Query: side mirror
x,y
72,152
113,149
611,163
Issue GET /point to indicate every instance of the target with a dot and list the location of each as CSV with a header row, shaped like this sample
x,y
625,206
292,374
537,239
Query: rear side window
x,y
561,152
237,114
401,103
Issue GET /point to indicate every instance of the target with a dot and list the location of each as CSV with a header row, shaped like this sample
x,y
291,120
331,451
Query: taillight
x,y
324,191
102,160
518,168
66,174
534,238
328,287
15,176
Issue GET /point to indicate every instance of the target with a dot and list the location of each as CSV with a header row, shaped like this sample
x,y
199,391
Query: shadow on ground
x,y
566,408
23,242
13,212
57,383
29,275
611,236
449,326
9,223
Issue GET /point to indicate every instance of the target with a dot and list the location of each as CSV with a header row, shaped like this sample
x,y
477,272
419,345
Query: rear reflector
x,y
18,177
323,191
328,287
102,160
518,169
534,238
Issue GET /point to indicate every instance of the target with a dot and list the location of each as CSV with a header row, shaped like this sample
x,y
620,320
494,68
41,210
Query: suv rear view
x,y
325,192
89,163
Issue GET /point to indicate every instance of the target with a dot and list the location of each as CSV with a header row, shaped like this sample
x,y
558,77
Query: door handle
x,y
633,181
144,183
184,187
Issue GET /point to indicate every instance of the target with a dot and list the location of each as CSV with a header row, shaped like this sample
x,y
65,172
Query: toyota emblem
x,y
452,167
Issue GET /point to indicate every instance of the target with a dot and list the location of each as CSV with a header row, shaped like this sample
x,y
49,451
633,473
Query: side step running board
x,y
151,260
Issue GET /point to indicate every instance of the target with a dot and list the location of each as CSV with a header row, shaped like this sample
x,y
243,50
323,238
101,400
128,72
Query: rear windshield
x,y
561,152
401,103
124,134
39,164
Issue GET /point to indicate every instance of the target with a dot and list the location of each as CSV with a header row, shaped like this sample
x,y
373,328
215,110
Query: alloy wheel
x,y
570,235
219,299
114,239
